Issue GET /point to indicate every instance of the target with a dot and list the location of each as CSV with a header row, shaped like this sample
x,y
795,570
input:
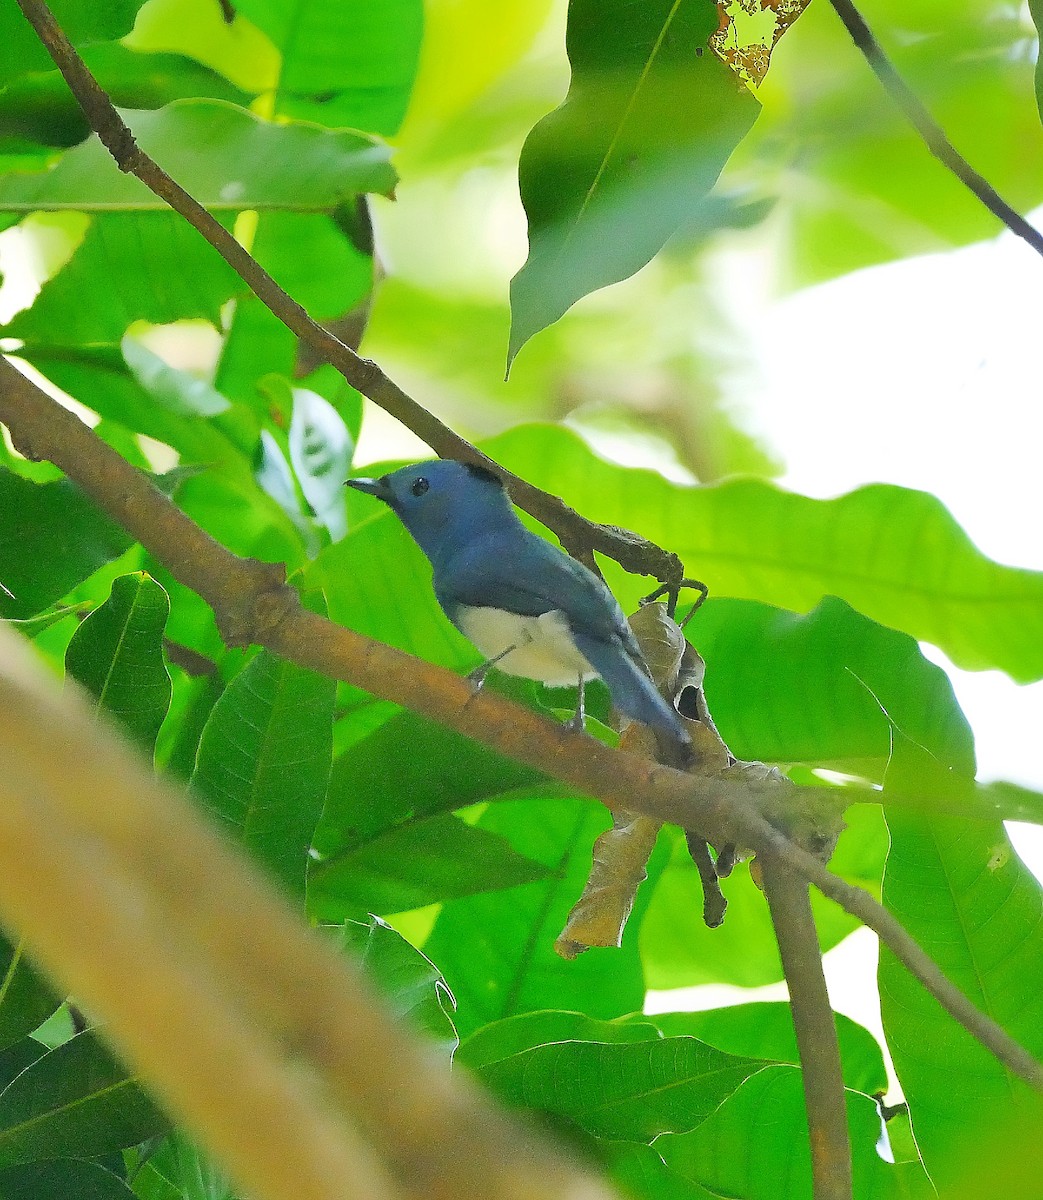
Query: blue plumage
x,y
529,607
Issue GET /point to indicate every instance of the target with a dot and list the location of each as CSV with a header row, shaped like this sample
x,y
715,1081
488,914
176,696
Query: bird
x,y
531,609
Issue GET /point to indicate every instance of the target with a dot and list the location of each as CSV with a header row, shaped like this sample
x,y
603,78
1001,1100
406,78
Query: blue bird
x,y
529,607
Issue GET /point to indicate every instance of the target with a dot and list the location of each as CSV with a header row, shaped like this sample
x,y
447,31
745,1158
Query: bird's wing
x,y
532,577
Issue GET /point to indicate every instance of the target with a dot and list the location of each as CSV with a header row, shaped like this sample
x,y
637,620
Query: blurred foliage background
x,y
368,153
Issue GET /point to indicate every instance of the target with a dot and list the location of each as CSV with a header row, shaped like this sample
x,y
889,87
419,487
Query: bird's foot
x,y
576,723
477,677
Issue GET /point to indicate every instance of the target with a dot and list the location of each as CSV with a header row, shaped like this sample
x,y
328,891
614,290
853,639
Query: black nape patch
x,y
484,473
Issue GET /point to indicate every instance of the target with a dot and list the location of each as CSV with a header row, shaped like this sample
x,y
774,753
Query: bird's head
x,y
441,502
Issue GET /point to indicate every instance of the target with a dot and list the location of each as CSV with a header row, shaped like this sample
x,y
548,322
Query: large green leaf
x,y
830,687
496,949
410,983
25,1000
649,121
894,554
63,1179
40,107
75,1101
640,1172
345,62
959,888
264,762
631,1091
156,268
84,21
756,1146
416,863
117,655
52,537
227,158
765,1031
500,1040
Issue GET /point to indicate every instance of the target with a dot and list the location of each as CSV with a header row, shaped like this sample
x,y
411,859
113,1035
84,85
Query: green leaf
x,y
756,1144
373,45
386,841
415,864
75,1101
410,983
1036,11
650,119
631,1091
156,268
639,1171
264,762
83,21
64,1179
309,256
496,949
894,554
41,108
765,1031
52,538
25,1000
961,891
227,158
15,1058
830,687
117,655
513,1035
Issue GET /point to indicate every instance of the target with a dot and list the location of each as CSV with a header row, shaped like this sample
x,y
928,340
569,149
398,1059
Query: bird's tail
x,y
633,692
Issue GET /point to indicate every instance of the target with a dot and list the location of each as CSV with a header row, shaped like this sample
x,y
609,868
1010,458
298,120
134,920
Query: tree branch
x,y
794,924
191,959
578,535
252,605
928,129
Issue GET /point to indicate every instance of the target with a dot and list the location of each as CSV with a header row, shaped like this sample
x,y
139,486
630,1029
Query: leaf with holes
x,y
629,158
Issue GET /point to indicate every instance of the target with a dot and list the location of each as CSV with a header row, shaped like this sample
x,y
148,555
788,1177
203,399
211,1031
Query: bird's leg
x,y
578,719
477,677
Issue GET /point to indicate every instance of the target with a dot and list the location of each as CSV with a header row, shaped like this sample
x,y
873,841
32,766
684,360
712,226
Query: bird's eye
x,y
419,486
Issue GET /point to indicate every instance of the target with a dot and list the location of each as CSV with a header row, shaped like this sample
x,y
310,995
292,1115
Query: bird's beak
x,y
372,487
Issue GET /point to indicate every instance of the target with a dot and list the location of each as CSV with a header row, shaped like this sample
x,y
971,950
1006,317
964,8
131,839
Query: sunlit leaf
x,y
226,157
649,121
894,554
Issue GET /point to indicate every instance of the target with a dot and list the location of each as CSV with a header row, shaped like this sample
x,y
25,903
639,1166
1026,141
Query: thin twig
x,y
250,600
578,535
794,924
929,129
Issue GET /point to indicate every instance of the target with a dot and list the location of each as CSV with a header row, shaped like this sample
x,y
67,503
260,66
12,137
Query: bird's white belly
x,y
545,649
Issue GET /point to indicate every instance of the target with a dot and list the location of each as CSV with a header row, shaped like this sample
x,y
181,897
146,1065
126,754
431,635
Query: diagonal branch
x,y
929,129
252,604
578,535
